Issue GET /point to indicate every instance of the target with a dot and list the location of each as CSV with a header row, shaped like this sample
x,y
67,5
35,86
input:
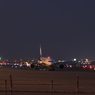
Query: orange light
x,y
48,56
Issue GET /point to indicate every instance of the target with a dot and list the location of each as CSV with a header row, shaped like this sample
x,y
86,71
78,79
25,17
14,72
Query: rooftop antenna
x,y
40,51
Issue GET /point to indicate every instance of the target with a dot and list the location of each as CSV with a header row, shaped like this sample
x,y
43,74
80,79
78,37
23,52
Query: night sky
x,y
65,28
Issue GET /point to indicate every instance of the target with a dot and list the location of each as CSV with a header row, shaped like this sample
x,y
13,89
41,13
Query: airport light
x,y
48,56
75,59
0,58
86,60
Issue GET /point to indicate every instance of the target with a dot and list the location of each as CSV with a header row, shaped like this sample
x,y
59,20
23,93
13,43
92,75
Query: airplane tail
x,y
40,51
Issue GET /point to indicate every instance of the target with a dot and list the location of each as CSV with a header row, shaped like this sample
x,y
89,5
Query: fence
x,y
40,87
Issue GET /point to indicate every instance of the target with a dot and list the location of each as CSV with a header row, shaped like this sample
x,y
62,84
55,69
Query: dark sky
x,y
65,28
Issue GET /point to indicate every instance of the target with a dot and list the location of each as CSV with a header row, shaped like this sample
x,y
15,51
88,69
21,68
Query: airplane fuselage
x,y
47,61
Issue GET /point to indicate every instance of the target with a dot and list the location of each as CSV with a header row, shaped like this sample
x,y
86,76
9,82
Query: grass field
x,y
27,79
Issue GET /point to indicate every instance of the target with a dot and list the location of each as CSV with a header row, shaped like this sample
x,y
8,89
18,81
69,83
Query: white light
x,y
75,59
86,60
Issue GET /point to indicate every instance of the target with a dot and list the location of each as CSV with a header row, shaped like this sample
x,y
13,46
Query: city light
x,y
0,58
75,59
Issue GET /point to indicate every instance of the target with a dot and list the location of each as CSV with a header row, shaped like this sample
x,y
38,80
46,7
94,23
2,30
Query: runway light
x,y
90,67
83,66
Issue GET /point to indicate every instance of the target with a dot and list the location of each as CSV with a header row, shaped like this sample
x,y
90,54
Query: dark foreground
x,y
32,81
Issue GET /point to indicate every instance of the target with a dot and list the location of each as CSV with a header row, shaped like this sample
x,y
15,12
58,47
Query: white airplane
x,y
44,62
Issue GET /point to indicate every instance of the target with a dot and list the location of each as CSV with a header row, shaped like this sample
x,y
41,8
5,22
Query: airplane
x,y
44,62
